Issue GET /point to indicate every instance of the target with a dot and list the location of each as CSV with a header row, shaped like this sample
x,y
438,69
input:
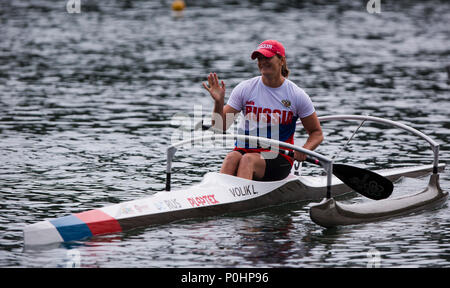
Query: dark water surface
x,y
88,102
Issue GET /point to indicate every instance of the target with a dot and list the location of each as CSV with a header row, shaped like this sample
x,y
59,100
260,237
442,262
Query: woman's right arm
x,y
228,116
221,114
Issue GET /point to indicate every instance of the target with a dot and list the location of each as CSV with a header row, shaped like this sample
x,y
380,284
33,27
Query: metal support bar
x,y
434,144
271,143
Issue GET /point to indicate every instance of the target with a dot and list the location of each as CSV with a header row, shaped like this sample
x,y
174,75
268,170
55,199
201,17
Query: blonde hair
x,y
284,69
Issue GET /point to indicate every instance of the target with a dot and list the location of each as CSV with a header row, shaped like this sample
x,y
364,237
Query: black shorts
x,y
276,169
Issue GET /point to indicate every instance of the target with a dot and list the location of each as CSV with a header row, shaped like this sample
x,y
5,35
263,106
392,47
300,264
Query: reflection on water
x,y
88,99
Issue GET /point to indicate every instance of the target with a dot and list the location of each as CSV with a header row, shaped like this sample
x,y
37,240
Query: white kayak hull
x,y
217,194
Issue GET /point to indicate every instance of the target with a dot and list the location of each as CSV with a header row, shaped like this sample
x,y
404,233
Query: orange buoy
x,y
178,5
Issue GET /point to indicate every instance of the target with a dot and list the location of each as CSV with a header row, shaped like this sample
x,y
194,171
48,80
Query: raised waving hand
x,y
216,90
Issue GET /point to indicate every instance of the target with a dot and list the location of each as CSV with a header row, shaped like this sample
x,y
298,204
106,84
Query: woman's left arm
x,y
312,126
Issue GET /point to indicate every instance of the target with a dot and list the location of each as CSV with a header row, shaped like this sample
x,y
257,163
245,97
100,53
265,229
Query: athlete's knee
x,y
231,163
253,163
250,159
233,157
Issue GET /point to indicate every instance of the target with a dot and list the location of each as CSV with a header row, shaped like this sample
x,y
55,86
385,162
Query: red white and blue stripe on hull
x,y
82,225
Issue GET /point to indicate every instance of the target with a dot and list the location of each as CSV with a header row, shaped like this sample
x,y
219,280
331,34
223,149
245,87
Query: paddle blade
x,y
365,182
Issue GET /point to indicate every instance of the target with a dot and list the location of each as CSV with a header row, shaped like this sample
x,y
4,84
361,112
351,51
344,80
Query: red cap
x,y
269,48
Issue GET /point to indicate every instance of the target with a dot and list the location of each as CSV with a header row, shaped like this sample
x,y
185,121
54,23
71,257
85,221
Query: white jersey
x,y
269,112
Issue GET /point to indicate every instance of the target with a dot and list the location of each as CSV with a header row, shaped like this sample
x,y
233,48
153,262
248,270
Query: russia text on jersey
x,y
260,114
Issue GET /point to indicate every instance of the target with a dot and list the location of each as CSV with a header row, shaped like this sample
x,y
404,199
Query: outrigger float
x,y
330,213
220,194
